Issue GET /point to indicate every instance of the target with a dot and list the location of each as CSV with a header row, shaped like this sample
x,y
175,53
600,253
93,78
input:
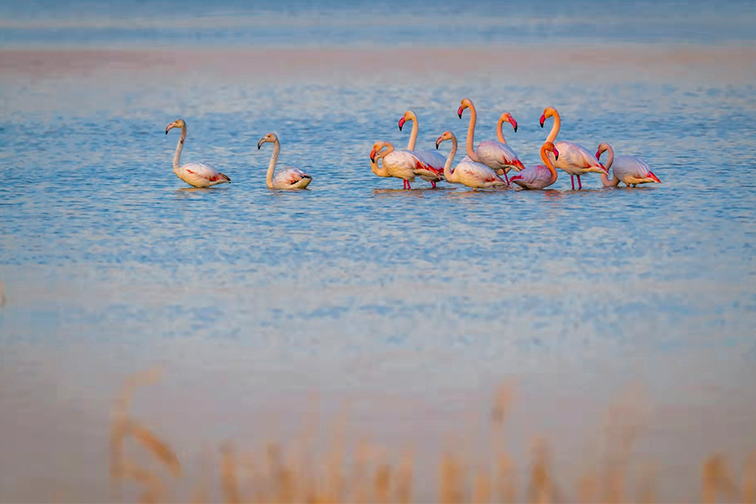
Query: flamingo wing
x,y
533,177
498,156
633,170
201,175
574,155
401,164
290,176
476,173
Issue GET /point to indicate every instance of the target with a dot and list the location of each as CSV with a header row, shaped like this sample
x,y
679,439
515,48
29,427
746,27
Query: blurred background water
x,y
251,297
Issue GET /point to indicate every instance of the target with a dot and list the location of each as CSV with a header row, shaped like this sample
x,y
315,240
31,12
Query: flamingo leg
x,y
572,179
433,184
506,177
580,184
408,185
404,184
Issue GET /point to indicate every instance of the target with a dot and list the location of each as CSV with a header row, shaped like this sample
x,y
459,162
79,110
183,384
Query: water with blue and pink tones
x,y
250,298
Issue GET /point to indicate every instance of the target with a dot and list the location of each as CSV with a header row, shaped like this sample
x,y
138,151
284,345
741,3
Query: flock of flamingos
x,y
481,168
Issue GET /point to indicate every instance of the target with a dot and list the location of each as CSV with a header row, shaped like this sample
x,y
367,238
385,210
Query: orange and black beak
x,y
372,155
543,119
459,111
401,123
556,153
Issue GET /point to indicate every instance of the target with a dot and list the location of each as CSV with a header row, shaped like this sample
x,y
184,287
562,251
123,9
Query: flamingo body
x,y
194,174
498,156
430,167
476,175
539,176
201,175
576,160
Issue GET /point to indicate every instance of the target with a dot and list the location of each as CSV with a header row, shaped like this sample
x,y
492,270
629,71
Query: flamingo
x,y
467,172
627,169
497,155
539,176
376,154
194,174
290,178
401,164
432,163
574,159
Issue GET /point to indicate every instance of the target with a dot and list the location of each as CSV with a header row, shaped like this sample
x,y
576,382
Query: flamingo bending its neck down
x,y
539,176
628,169
573,158
401,164
497,155
194,174
431,162
469,173
289,178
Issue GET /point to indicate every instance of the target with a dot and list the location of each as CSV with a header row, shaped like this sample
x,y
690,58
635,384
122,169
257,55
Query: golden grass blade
x,y
156,446
229,483
749,479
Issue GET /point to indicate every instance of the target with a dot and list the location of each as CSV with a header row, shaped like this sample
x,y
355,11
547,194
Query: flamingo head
x,y
178,123
446,135
517,164
506,116
654,177
408,116
378,151
464,104
270,137
603,147
550,147
547,112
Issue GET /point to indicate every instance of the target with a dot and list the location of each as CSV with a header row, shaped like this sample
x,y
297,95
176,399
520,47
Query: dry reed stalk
x,y
588,487
647,492
452,481
156,446
382,484
716,479
749,480
154,486
482,488
507,479
403,494
540,482
229,482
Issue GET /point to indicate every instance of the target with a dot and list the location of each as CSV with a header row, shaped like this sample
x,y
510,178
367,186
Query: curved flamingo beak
x,y
259,143
598,154
513,123
518,164
459,111
543,119
556,154
656,179
401,123
372,155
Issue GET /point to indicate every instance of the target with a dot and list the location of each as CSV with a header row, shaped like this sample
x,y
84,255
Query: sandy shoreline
x,y
728,64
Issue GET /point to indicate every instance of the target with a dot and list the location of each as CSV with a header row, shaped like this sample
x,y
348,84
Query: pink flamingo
x,y
194,174
401,164
573,158
628,169
431,167
539,176
467,172
497,155
289,178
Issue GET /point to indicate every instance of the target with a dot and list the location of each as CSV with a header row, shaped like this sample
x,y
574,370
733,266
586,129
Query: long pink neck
x,y
448,174
413,135
471,133
555,128
549,165
179,148
614,182
272,164
499,130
